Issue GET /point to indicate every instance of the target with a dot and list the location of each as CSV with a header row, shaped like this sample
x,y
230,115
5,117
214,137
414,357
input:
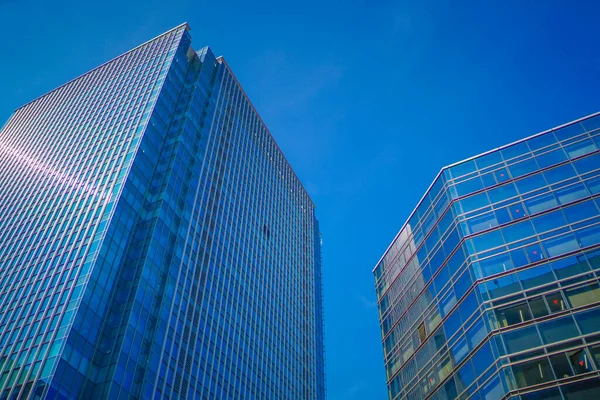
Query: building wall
x,y
491,287
203,277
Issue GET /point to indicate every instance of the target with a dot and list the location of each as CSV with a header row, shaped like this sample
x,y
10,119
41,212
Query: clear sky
x,y
367,99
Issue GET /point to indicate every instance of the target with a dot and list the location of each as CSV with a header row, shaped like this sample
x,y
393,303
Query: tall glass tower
x,y
154,241
491,289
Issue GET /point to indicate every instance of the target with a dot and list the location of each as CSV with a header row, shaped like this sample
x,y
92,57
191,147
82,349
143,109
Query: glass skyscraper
x,y
491,289
154,241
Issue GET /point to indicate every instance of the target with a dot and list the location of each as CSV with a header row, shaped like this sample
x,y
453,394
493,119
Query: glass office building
x,y
491,289
154,241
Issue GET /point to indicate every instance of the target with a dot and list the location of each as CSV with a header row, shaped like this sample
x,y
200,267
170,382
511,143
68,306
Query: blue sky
x,y
367,99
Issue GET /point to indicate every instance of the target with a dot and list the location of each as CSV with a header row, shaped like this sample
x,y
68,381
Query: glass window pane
x,y
581,211
515,150
459,350
560,245
447,302
518,231
476,334
555,302
551,158
463,169
522,339
495,265
503,192
538,307
558,329
587,164
488,160
547,394
488,241
571,193
531,183
482,222
537,276
549,221
465,376
591,123
492,390
483,358
580,148
581,296
523,168
561,366
474,202
588,389
513,314
541,141
559,174
541,203
569,266
519,258
589,236
532,373
503,286
517,210
595,350
569,131
469,186
580,361
588,321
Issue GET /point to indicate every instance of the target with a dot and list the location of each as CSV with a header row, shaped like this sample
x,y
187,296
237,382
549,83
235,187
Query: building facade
x,y
154,241
491,289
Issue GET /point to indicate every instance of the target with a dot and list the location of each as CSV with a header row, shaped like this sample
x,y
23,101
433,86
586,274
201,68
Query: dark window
x,y
422,333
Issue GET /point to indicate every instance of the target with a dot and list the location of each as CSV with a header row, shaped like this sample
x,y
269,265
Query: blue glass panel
x,y
501,175
537,276
549,221
463,169
495,265
492,389
591,124
587,164
560,245
523,168
541,141
541,203
488,160
569,266
488,240
503,192
515,150
518,231
569,131
558,329
551,158
559,174
588,321
571,193
531,183
580,148
581,211
521,339
469,186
